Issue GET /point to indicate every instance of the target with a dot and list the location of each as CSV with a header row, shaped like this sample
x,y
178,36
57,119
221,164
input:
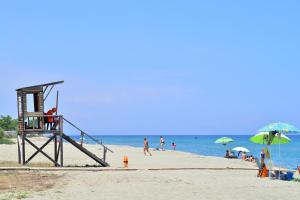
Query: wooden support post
x,y
61,151
56,102
61,142
23,148
57,154
104,154
55,148
19,149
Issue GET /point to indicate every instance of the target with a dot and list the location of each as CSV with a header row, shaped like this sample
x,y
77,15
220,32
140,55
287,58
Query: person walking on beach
x,y
146,147
162,143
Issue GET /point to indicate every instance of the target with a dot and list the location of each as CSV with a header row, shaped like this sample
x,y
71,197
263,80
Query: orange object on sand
x,y
125,161
265,172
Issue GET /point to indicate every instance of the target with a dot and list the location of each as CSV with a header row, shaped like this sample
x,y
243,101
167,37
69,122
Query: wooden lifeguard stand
x,y
32,119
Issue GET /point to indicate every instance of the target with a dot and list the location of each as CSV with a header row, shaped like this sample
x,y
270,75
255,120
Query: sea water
x,y
288,156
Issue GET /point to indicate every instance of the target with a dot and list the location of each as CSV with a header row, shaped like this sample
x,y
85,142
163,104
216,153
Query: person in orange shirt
x,y
50,120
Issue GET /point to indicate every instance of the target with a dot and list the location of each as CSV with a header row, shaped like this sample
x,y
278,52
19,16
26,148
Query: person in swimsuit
x,y
174,146
162,143
244,156
146,147
227,154
262,156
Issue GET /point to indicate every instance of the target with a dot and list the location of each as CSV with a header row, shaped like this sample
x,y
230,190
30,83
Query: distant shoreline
x,y
294,134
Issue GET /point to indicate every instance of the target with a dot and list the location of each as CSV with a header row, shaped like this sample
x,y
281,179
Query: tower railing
x,y
83,133
38,123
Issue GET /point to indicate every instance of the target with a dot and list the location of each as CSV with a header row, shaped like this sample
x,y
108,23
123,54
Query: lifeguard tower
x,y
33,120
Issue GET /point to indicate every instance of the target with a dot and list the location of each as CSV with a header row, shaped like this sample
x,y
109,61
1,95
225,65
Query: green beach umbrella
x,y
268,138
224,140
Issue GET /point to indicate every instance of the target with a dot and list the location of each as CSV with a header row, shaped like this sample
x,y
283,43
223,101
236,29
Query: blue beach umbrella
x,y
280,128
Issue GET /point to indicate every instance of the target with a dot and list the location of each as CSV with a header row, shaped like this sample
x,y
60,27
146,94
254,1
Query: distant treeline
x,y
7,123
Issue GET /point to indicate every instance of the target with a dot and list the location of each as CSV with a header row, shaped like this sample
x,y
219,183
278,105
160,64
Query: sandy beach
x,y
165,175
216,80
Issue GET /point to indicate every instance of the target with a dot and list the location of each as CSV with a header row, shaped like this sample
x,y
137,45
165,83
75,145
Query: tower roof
x,y
41,85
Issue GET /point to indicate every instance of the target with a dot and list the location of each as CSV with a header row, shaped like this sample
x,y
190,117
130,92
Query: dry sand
x,y
165,175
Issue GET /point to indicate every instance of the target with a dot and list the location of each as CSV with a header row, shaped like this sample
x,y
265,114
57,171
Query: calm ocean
x,y
204,145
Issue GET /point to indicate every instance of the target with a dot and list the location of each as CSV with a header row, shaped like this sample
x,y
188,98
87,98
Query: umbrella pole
x,y
270,161
279,154
270,152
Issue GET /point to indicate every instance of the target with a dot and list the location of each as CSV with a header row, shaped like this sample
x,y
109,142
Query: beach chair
x,y
289,176
279,175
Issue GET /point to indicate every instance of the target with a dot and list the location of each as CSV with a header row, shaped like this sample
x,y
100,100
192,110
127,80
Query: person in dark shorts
x,y
162,143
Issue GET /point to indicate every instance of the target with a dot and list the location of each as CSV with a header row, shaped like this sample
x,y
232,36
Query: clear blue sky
x,y
157,67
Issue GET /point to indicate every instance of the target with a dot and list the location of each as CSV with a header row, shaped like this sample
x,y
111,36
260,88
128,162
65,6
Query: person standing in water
x,y
162,143
146,147
174,146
